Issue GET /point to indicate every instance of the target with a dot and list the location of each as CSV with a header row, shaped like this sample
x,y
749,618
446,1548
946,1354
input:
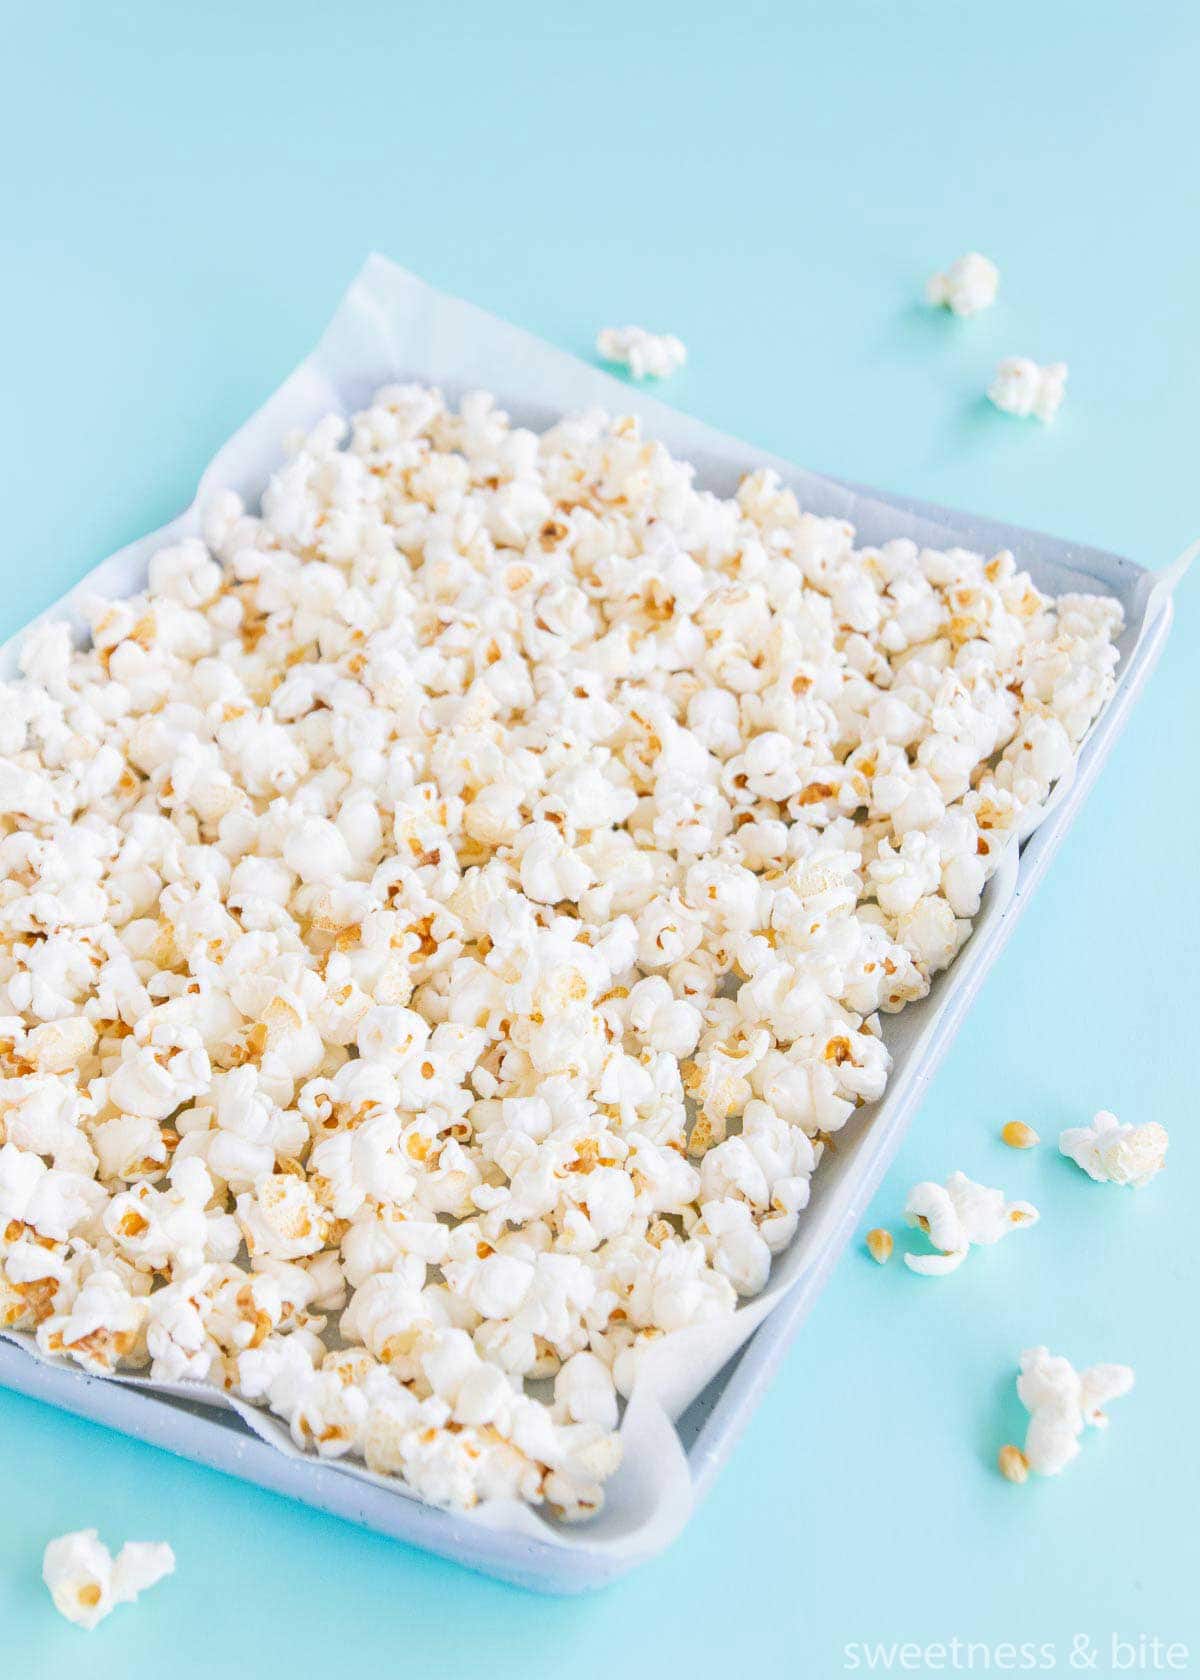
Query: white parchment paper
x,y
391,326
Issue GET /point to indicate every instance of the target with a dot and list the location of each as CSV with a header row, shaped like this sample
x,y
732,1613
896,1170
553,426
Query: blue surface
x,y
185,195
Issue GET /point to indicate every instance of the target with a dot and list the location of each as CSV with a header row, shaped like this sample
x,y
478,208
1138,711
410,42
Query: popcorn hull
x,y
393,327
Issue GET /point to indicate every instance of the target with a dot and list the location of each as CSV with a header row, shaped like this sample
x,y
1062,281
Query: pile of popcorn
x,y
445,916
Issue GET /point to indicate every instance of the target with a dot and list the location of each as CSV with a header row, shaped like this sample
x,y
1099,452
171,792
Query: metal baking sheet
x,y
535,383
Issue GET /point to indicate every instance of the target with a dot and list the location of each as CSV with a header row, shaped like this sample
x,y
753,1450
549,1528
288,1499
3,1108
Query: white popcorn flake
x,y
445,916
86,1582
1024,388
647,355
967,286
102,1326
1116,1153
584,1389
956,1215
1060,1402
282,1218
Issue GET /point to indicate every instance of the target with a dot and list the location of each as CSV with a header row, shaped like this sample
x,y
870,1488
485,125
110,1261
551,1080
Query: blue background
x,y
185,193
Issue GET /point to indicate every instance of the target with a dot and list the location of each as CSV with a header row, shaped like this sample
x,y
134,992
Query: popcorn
x,y
957,1215
86,1582
129,1145
733,1245
281,1218
1113,1153
153,1083
102,1328
663,1021
53,1201
647,355
1060,1401
1023,388
584,1390
391,1313
172,1230
446,916
177,1333
968,285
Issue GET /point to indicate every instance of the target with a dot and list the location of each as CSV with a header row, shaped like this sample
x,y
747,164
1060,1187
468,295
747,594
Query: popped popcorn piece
x,y
446,915
880,1245
958,1214
1017,1135
172,1230
50,1200
584,1390
967,286
86,1582
1024,388
1112,1152
647,355
282,1218
102,1327
1060,1400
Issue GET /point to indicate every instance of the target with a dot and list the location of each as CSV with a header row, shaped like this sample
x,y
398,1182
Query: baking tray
x,y
443,334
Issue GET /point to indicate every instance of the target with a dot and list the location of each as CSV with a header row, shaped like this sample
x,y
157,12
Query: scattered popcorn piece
x,y
1017,1135
647,355
1013,1464
1115,1153
958,1214
968,285
1060,1401
86,1582
1024,388
447,915
880,1244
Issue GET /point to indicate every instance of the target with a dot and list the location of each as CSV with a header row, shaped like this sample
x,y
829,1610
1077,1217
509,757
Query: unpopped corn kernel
x,y
1013,1464
880,1244
1017,1135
